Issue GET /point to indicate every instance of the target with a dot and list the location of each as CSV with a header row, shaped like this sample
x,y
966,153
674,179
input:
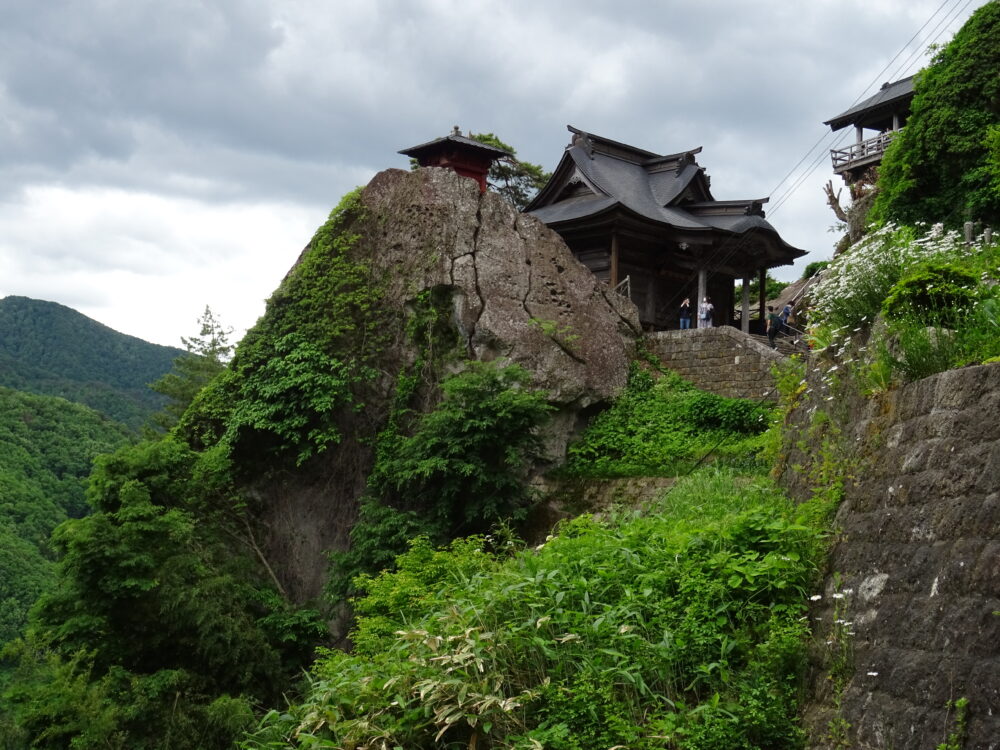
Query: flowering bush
x,y
939,296
857,282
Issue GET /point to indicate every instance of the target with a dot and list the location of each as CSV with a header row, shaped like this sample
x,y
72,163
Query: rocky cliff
x,y
460,276
908,620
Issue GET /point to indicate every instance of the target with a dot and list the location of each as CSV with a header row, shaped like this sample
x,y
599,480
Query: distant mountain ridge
x,y
50,349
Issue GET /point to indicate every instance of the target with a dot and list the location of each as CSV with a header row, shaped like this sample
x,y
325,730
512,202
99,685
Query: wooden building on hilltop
x,y
647,224
465,156
885,113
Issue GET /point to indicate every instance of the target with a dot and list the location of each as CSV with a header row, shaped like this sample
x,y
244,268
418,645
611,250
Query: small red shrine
x,y
466,156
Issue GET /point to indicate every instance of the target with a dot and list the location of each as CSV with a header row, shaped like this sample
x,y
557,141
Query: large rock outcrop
x,y
515,294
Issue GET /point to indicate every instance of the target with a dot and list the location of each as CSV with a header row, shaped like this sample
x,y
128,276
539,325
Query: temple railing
x,y
857,153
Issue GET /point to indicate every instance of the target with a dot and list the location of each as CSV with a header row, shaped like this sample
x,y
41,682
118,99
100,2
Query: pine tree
x,y
207,356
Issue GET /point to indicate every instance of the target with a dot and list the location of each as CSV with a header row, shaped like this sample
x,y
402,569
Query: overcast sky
x,y
158,156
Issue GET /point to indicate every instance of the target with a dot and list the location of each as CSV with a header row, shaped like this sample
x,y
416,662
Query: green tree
x,y
206,357
772,288
515,180
158,625
938,169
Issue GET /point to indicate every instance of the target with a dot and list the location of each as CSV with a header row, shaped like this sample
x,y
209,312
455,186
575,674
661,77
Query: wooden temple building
x,y
647,225
884,113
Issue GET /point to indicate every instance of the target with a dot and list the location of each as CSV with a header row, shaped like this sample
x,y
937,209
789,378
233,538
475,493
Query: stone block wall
x,y
720,360
914,575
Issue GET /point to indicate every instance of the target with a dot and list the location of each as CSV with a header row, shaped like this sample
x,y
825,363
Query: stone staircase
x,y
787,345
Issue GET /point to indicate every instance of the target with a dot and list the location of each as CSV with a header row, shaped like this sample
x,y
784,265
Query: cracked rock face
x,y
519,294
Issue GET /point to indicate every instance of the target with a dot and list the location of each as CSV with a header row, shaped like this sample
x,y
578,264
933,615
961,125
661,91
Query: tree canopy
x,y
515,180
944,166
51,349
206,357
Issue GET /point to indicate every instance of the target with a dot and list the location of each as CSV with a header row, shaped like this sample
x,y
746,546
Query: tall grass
x,y
680,628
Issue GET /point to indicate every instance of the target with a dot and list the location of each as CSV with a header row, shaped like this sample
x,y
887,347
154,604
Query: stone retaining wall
x,y
721,360
915,574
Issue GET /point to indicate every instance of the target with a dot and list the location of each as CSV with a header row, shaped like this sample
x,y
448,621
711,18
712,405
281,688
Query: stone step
x,y
787,345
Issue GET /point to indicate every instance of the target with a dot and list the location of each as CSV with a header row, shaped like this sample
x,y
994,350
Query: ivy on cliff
x,y
305,361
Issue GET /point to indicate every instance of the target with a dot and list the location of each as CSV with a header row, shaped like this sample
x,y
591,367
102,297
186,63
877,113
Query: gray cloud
x,y
293,102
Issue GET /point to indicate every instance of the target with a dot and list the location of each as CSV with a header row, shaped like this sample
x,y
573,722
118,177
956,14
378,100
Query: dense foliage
x,y
49,349
682,628
166,624
661,425
304,364
935,294
910,305
156,626
460,471
46,448
938,168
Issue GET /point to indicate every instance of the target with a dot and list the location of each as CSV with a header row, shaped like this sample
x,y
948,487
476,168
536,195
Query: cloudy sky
x,y
157,156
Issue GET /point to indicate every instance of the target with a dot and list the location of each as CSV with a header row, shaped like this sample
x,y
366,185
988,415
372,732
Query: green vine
x,y
956,737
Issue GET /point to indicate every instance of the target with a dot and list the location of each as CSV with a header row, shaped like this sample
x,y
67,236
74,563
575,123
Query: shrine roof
x,y
597,176
889,96
457,138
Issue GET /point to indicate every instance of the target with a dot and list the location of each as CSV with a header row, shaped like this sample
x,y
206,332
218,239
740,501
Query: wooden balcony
x,y
863,154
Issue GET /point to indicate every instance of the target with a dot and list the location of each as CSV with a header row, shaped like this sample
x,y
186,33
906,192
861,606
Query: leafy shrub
x,y
460,472
661,424
463,466
682,628
814,268
935,294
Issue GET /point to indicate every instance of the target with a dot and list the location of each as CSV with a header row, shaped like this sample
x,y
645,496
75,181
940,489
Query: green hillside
x,y
50,349
46,448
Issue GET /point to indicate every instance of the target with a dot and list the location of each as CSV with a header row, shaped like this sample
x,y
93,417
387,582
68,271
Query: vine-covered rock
x,y
412,277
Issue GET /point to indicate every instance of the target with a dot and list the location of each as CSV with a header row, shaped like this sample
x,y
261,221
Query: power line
x,y
729,247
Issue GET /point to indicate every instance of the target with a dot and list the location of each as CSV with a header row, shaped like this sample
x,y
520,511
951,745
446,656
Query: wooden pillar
x,y
745,305
859,133
614,260
702,289
762,281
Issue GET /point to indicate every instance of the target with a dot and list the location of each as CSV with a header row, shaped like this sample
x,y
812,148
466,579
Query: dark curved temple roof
x,y
601,178
869,113
455,137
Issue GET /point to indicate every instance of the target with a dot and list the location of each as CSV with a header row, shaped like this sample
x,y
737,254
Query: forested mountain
x,y
46,448
51,349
